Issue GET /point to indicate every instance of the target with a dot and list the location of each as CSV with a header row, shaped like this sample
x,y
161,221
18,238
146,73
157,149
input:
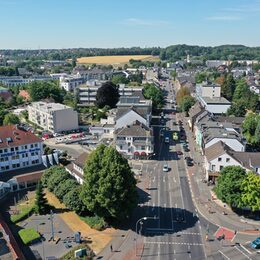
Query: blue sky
x,y
33,24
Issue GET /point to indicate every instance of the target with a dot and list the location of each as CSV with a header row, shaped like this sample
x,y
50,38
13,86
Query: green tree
x,y
49,172
73,201
3,113
249,127
120,79
109,188
57,177
200,77
64,187
150,91
107,95
41,205
186,103
11,119
237,109
257,132
181,93
174,74
228,87
250,196
228,188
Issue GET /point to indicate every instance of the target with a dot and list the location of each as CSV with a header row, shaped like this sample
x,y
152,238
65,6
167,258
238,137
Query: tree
x,y
120,79
250,196
257,132
49,172
107,95
41,204
39,90
3,113
11,119
237,109
150,91
109,188
57,177
228,188
228,87
181,93
249,126
200,77
73,201
174,74
186,103
64,187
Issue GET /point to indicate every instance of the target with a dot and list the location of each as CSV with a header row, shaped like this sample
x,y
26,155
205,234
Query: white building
x,y
208,90
69,83
135,141
19,148
221,155
53,117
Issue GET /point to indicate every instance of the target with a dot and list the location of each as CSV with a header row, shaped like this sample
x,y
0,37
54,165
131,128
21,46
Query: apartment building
x,y
53,117
69,83
19,148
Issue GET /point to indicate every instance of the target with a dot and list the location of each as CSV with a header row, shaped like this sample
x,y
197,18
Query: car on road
x,y
256,243
165,168
186,149
179,152
188,161
167,140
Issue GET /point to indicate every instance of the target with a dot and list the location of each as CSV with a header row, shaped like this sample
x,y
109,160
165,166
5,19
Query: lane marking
x,y
243,253
173,243
224,255
246,250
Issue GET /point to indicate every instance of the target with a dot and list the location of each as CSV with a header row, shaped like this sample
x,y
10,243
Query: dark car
x,y
186,149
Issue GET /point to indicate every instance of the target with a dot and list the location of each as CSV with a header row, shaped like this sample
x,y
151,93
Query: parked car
x,y
165,168
179,152
256,243
167,140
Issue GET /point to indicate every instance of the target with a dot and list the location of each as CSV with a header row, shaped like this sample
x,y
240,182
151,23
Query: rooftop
x,y
13,135
47,107
80,161
216,101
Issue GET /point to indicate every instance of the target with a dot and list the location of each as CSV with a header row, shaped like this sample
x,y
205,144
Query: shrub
x,y
95,222
28,235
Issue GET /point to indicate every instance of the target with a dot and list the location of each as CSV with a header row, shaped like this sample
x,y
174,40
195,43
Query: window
x,y
142,147
16,148
1,151
25,147
121,147
213,167
31,145
15,157
12,149
227,159
219,159
5,150
221,167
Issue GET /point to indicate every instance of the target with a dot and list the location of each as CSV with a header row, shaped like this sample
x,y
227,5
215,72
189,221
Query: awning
x,y
136,153
143,153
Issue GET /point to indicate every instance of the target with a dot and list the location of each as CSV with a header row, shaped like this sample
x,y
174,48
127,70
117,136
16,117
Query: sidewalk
x,y
209,207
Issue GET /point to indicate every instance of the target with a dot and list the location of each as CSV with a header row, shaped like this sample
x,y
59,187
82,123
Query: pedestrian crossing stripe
x,y
173,243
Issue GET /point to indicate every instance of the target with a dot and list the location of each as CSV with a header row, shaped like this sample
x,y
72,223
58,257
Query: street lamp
x,y
141,223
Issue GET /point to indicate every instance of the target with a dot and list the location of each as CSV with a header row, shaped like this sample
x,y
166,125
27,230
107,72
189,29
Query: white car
x,y
165,168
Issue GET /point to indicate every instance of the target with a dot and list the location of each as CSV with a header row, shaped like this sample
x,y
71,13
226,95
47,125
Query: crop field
x,y
116,60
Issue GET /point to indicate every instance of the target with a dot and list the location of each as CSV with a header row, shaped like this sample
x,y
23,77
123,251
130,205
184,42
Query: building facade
x,y
19,148
53,117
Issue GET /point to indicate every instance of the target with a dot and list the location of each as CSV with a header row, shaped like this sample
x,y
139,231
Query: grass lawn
x,y
24,209
28,235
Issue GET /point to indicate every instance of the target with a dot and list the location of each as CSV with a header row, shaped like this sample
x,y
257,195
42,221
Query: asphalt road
x,y
176,234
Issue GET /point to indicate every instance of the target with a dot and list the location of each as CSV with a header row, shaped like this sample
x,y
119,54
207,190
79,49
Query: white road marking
x,y
173,243
243,252
223,255
164,206
163,178
174,179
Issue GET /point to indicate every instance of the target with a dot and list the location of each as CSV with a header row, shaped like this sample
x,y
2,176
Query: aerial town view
x,y
130,130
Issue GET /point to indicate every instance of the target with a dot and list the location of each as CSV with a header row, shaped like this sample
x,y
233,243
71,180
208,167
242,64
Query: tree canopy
x,y
120,79
109,188
41,205
186,103
150,91
11,119
228,87
107,95
251,128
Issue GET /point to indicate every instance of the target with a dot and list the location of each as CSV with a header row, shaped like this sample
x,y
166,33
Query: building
x,y
216,105
208,90
221,155
135,141
76,167
19,148
5,94
69,83
53,117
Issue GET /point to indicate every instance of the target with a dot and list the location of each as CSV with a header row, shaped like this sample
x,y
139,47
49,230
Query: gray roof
x,y
136,129
230,119
216,150
142,111
216,100
195,111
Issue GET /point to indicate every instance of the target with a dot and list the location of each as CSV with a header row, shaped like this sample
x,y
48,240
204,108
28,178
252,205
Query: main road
x,y
177,232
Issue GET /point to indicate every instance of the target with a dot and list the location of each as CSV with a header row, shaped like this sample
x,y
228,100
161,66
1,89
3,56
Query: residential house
x,y
135,141
76,168
5,94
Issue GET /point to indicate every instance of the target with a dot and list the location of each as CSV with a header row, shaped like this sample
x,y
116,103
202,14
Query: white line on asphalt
x,y
163,178
173,243
176,205
243,253
174,179
169,183
223,255
246,249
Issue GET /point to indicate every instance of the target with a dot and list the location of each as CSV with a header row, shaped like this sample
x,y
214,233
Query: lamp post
x,y
141,223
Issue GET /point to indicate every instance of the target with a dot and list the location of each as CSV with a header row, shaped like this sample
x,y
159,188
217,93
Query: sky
x,y
45,24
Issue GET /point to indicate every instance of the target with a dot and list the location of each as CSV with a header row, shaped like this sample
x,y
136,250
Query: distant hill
x,y
171,53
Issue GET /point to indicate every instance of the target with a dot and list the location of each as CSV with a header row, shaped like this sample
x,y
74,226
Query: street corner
x,y
225,234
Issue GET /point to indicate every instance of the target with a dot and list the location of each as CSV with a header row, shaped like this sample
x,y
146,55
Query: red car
x,y
179,152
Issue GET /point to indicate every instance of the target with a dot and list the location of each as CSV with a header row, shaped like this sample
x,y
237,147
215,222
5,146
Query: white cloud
x,y
224,18
144,22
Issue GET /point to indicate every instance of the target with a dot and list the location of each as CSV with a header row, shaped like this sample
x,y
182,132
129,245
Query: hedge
x,y
28,235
